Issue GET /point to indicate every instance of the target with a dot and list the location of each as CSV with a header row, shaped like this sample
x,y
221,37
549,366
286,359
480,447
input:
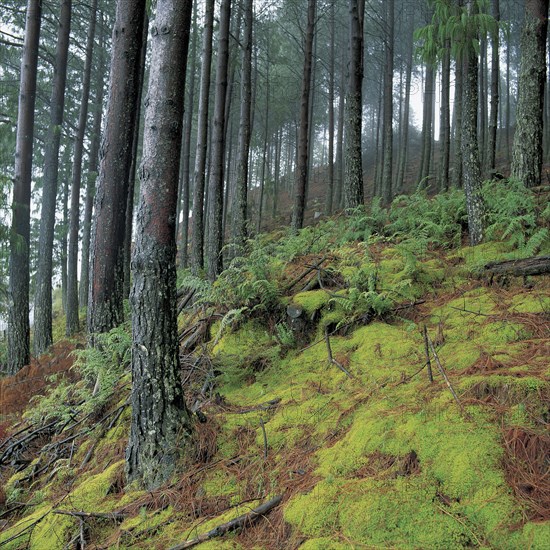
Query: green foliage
x,y
100,367
365,221
511,216
429,222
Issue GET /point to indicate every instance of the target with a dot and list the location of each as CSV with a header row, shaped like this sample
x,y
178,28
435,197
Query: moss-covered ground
x,y
377,457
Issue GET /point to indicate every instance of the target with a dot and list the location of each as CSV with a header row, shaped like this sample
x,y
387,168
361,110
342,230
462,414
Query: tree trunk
x,y
470,149
482,95
354,194
338,192
527,149
43,295
239,228
330,186
387,192
72,321
93,159
405,120
185,170
197,240
459,88
105,309
303,137
495,78
18,320
264,156
161,423
214,235
129,214
427,123
445,119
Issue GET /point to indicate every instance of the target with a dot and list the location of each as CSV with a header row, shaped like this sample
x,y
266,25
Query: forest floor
x,y
319,394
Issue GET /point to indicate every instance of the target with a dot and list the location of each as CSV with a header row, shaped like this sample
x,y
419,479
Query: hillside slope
x,y
307,367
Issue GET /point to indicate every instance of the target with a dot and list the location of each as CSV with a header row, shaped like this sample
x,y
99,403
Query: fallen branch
x,y
233,525
116,516
427,351
305,274
331,358
444,374
271,404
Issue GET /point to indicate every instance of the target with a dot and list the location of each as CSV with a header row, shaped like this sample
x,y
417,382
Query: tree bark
x,y
239,227
43,295
197,240
161,422
527,149
330,186
495,78
18,319
72,321
354,194
470,148
93,159
105,309
445,119
427,124
214,235
387,192
303,137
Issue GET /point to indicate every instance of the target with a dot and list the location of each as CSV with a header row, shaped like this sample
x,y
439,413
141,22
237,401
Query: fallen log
x,y
536,265
234,524
115,516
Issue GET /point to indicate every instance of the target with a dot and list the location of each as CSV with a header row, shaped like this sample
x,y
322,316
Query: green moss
x,y
535,302
324,543
312,301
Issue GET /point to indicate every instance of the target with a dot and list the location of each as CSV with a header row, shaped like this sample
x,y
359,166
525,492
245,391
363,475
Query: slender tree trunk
x,y
482,94
185,174
93,159
303,138
161,423
387,192
527,150
214,235
264,156
18,320
73,324
64,230
338,192
427,124
406,110
470,148
495,78
239,227
43,295
508,102
330,187
129,215
197,241
105,309
445,120
354,194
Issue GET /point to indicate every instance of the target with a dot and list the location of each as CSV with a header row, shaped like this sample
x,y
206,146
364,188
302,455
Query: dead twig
x,y
237,523
331,358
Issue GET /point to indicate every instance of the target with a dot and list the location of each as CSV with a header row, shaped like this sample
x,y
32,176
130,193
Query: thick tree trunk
x,y
72,324
239,228
482,95
93,159
387,191
303,137
197,240
470,149
105,309
354,194
527,150
18,320
161,423
214,235
43,295
495,78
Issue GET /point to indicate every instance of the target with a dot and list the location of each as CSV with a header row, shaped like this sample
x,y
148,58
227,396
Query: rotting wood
x,y
536,265
233,525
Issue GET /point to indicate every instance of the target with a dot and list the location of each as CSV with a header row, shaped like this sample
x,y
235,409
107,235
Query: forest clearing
x,y
275,274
